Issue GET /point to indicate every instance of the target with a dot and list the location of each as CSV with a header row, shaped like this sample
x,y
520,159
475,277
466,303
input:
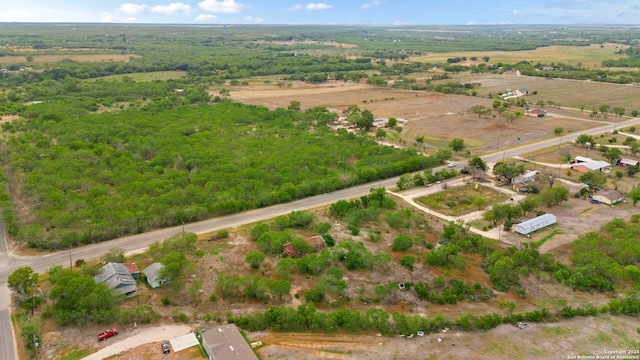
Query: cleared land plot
x,y
150,76
436,116
588,56
565,92
459,200
44,59
578,336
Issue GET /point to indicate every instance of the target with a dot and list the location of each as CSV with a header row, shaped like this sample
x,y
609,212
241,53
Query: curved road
x,y
9,263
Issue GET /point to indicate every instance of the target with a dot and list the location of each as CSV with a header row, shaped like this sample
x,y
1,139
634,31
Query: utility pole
x,y
70,263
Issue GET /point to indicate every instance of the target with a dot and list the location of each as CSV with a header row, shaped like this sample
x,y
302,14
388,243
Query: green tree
x,y
634,195
558,130
78,299
115,255
380,133
554,196
632,170
365,120
593,179
477,163
279,288
584,139
457,144
408,261
604,109
22,281
254,258
613,155
294,105
508,170
402,242
393,122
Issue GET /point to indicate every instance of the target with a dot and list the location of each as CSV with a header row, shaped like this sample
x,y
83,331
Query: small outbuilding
x,y
531,225
152,272
608,197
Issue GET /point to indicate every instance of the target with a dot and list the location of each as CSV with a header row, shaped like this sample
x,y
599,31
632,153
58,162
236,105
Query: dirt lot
x,y
438,117
43,59
579,336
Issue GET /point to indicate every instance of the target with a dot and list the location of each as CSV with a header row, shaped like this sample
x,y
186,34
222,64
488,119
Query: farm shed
x,y
531,225
628,162
608,197
152,272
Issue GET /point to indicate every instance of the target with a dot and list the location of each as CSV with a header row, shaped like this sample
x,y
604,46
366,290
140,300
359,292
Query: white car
x,y
452,165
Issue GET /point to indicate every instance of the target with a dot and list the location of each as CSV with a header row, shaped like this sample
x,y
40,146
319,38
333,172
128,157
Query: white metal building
x,y
531,225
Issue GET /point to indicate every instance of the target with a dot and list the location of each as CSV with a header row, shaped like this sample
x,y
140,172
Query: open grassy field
x,y
150,76
589,56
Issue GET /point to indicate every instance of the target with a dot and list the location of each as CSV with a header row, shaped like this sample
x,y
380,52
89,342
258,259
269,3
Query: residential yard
x,y
460,200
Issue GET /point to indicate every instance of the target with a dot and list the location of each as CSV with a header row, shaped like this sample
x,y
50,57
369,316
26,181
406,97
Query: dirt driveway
x,y
150,335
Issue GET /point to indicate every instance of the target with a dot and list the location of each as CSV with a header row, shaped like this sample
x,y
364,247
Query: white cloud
x,y
318,6
371,4
296,7
400,23
224,6
173,9
132,9
206,17
518,13
254,20
108,18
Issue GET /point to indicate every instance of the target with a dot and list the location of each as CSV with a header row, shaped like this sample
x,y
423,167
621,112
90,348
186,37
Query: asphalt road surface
x,y
139,242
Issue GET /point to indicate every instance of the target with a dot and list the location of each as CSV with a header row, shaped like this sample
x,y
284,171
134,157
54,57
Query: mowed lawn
x,y
143,77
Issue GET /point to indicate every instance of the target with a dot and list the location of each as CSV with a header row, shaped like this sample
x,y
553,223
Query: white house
x,y
531,225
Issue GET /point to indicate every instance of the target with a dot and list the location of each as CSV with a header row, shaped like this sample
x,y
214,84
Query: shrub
x,y
402,242
408,261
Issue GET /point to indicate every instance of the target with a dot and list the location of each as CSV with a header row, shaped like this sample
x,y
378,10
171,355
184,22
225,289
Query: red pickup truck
x,y
107,334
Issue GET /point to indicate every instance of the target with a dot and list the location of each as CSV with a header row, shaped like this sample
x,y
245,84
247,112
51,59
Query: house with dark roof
x,y
152,272
226,343
536,112
118,278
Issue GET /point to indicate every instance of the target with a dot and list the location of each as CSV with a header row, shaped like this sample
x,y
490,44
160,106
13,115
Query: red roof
x,y
133,268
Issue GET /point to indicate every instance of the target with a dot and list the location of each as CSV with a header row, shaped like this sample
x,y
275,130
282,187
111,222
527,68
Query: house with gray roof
x,y
152,272
118,278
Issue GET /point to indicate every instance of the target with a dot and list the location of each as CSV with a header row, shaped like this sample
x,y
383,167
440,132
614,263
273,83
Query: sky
x,y
326,12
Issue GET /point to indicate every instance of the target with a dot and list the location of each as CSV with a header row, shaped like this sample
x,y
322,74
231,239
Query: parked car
x,y
594,201
165,347
452,165
107,334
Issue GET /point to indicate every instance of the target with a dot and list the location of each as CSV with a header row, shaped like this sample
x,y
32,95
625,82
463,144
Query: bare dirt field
x,y
565,92
44,59
438,117
578,336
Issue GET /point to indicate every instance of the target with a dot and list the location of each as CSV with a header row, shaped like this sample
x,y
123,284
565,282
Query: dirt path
x,y
150,335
